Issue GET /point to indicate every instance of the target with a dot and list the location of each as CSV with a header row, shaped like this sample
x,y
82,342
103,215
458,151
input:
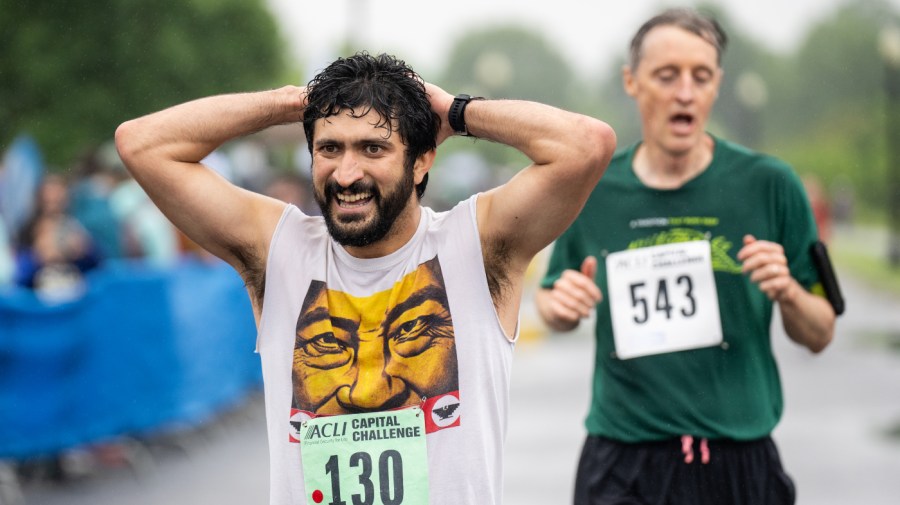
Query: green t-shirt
x,y
727,391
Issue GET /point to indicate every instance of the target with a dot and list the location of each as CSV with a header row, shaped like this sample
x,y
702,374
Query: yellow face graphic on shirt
x,y
379,352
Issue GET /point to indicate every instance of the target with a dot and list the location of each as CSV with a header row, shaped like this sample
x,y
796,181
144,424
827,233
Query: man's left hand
x,y
766,264
440,104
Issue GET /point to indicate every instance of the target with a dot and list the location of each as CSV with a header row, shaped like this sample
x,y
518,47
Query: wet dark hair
x,y
381,83
687,19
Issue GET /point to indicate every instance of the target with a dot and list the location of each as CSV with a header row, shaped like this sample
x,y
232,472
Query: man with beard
x,y
385,329
683,249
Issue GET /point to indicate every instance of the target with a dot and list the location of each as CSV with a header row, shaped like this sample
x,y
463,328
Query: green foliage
x,y
508,62
838,62
618,109
828,115
70,72
822,109
847,144
746,88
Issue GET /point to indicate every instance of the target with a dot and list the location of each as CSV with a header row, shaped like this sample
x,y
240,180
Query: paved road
x,y
839,407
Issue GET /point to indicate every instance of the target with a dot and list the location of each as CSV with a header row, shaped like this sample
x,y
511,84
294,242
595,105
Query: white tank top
x,y
426,312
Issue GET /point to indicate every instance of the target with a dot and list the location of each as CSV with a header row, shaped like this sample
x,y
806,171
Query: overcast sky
x,y
590,33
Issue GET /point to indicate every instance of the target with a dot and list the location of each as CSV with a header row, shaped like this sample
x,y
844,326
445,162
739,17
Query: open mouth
x,y
682,119
354,196
353,200
682,123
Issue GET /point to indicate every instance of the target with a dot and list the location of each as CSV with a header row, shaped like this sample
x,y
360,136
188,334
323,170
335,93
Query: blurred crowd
x,y
57,225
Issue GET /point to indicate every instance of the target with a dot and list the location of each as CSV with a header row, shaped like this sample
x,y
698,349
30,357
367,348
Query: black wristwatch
x,y
457,114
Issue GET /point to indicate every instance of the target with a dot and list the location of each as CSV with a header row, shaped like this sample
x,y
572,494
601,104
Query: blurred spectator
x,y
54,249
97,178
249,162
460,174
146,232
221,163
294,189
22,170
821,205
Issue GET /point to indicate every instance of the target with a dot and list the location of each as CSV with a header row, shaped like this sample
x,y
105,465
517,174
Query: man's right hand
x,y
572,297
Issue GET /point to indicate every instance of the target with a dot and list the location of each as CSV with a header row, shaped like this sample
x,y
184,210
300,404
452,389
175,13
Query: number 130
x,y
390,473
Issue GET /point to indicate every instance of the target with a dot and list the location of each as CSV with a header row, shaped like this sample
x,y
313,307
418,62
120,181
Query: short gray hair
x,y
687,19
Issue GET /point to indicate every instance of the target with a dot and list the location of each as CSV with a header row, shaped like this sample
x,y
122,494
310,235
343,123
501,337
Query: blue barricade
x,y
143,350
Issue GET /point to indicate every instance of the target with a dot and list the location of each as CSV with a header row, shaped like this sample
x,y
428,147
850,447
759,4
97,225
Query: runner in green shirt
x,y
684,247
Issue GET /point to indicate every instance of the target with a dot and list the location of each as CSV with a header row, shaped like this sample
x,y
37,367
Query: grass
x,y
862,253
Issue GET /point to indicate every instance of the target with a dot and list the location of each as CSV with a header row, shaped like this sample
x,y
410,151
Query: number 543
x,y
681,299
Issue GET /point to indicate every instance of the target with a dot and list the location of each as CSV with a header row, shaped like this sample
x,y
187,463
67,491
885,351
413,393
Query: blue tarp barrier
x,y
142,351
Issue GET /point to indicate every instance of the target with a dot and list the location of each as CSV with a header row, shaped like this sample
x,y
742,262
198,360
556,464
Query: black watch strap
x,y
457,114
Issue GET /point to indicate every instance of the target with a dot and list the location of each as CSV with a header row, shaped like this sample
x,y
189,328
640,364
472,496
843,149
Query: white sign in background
x,y
663,299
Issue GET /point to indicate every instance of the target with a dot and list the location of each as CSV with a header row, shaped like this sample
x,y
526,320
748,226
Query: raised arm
x,y
569,153
163,152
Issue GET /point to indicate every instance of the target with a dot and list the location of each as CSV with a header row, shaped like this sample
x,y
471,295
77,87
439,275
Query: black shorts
x,y
682,472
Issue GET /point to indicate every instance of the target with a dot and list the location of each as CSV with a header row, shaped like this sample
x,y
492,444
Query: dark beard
x,y
388,208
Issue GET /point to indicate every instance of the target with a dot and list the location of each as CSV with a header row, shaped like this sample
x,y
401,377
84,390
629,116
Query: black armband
x,y
820,258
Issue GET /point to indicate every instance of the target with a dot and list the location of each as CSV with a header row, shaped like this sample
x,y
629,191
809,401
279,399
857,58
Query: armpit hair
x,y
252,269
497,257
